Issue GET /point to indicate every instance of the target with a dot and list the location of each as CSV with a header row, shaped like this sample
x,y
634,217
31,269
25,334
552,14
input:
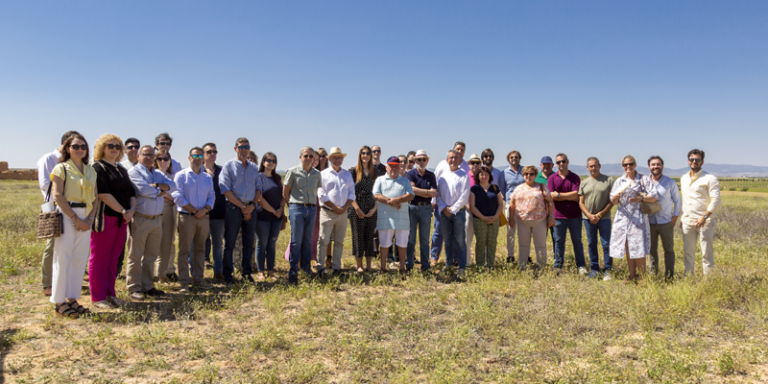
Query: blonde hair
x,y
628,157
101,144
530,168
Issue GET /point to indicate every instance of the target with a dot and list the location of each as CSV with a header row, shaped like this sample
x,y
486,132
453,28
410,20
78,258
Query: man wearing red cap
x,y
392,191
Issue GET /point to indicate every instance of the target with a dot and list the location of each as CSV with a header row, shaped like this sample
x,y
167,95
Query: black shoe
x,y
154,292
229,282
293,280
510,259
249,279
172,277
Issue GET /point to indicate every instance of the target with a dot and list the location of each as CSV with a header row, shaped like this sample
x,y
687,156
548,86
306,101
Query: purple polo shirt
x,y
565,209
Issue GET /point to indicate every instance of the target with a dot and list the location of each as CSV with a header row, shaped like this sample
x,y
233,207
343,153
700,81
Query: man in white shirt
x,y
701,197
132,146
335,195
44,167
437,236
452,198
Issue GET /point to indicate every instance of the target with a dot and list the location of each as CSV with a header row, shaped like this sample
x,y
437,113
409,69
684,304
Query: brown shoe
x,y
218,276
47,291
329,262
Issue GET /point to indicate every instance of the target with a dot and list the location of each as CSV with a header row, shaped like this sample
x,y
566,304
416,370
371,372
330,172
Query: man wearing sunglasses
x,y
300,186
510,179
564,186
700,193
164,141
44,167
240,184
381,169
132,146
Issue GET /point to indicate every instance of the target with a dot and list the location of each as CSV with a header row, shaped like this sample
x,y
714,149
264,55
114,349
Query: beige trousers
x,y
705,235
510,235
166,256
192,231
331,224
145,245
538,230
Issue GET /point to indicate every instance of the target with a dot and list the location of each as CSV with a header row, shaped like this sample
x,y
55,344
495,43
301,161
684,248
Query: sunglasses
x,y
628,165
488,156
163,158
366,153
513,157
132,147
561,162
529,174
168,143
211,151
114,146
474,163
692,160
241,147
196,156
421,160
377,151
321,156
270,161
78,147
308,156
411,161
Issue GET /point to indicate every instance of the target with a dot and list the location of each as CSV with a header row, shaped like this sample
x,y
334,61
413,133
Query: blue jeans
x,y
215,242
267,233
302,224
233,223
421,216
574,227
604,227
454,229
437,237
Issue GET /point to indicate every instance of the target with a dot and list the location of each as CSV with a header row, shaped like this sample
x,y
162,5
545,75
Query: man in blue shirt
x,y
146,228
194,198
392,191
424,187
240,183
662,223
510,179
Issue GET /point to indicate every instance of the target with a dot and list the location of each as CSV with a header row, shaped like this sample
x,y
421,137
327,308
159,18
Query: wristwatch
x,y
90,218
123,211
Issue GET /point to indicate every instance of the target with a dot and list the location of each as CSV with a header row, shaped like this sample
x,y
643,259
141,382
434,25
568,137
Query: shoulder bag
x,y
50,224
649,208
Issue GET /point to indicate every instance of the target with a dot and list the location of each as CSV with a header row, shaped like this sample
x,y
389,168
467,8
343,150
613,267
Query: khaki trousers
x,y
46,267
469,234
538,230
336,225
145,245
192,231
510,235
705,235
165,262
667,234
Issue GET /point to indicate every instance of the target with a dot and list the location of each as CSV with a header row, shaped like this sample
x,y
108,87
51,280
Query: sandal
x,y
115,301
68,312
103,304
79,308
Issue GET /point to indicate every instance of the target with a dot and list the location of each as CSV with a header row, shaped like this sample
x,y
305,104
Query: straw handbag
x,y
50,224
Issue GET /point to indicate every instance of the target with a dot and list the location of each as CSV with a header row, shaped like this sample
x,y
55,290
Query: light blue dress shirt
x,y
510,181
669,198
242,181
147,200
193,188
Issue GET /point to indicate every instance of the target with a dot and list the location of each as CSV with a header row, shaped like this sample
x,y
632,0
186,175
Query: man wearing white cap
x,y
420,208
336,194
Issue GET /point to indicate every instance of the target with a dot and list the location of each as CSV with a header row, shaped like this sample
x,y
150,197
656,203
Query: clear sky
x,y
602,78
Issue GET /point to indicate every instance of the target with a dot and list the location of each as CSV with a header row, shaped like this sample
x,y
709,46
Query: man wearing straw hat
x,y
335,195
420,208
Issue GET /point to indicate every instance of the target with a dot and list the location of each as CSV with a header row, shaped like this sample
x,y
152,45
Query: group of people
x,y
133,200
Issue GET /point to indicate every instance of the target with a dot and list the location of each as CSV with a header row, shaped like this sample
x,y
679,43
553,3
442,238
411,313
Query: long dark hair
x,y
66,156
275,176
359,167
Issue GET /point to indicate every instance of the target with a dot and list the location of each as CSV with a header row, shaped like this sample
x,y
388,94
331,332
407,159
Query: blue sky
x,y
597,78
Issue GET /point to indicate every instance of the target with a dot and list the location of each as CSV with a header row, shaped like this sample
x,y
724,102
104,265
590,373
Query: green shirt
x,y
597,194
541,179
303,185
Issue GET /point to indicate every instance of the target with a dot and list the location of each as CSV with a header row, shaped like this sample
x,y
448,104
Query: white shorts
x,y
400,235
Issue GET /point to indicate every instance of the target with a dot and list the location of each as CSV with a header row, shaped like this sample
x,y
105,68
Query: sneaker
x,y
582,271
154,292
607,276
208,265
137,296
184,290
204,286
592,274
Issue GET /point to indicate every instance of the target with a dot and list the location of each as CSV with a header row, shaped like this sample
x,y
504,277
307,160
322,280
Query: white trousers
x,y
400,235
70,257
705,235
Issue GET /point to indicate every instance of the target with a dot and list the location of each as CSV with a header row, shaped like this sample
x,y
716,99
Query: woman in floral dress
x,y
631,234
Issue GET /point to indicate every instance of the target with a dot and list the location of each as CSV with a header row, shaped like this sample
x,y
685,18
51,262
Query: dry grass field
x,y
505,326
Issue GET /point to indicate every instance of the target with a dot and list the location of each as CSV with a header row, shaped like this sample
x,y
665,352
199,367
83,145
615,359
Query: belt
x,y
150,217
76,205
190,214
421,204
304,205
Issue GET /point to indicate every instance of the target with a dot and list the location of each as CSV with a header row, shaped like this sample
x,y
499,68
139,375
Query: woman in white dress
x,y
631,234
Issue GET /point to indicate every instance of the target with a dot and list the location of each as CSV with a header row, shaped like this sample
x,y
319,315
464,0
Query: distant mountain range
x,y
720,170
